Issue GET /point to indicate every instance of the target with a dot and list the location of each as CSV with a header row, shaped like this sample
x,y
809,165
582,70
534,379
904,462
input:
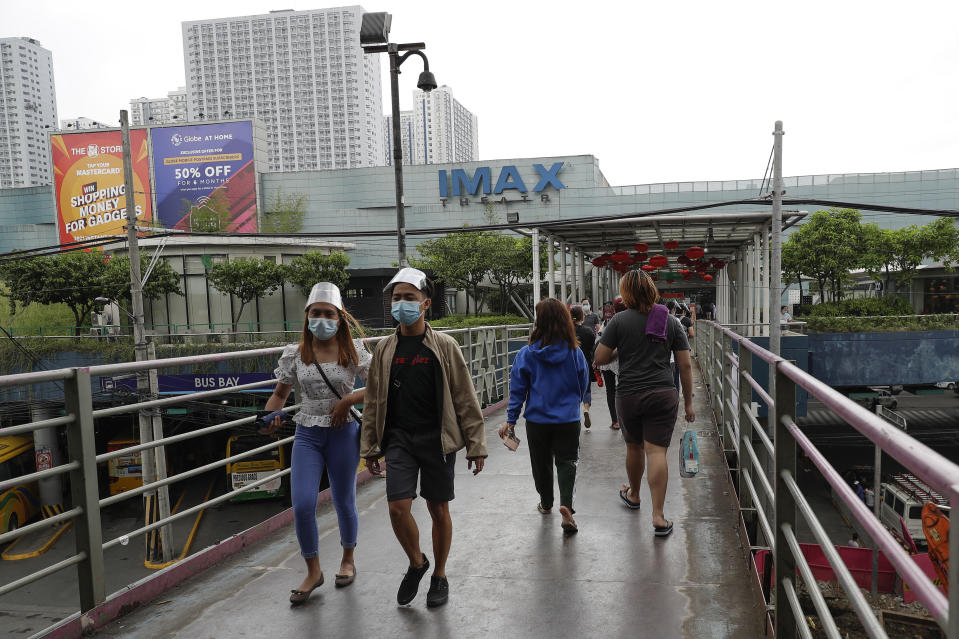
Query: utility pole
x,y
397,155
536,273
776,250
148,456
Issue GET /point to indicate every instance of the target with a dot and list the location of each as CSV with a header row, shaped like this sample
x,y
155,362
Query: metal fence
x,y
765,463
488,351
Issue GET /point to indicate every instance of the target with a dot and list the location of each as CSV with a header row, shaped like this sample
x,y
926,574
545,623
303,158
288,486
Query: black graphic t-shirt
x,y
412,403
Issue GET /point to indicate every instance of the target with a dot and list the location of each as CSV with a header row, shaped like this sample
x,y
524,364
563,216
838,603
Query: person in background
x,y
421,409
686,319
647,402
326,433
550,376
587,342
590,319
870,498
674,309
784,316
856,486
854,541
610,370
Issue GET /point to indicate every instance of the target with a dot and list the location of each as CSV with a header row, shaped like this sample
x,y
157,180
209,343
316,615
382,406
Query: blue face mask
x,y
323,328
406,313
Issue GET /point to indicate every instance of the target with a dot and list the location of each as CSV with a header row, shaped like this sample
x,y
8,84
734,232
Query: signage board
x,y
192,383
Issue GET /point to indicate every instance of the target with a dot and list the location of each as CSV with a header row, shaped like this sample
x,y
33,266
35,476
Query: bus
x,y
20,503
250,469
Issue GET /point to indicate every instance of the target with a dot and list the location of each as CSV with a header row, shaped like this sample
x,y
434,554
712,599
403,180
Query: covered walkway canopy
x,y
740,239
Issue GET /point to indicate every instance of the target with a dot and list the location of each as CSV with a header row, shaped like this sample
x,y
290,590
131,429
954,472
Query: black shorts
x,y
419,455
648,416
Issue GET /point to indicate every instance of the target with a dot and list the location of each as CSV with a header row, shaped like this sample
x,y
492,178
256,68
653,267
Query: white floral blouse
x,y
316,399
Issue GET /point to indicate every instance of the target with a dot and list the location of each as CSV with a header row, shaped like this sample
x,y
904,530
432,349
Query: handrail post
x,y
726,370
785,506
84,488
745,430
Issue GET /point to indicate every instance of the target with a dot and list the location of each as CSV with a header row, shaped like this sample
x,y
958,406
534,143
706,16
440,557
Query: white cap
x,y
325,292
408,275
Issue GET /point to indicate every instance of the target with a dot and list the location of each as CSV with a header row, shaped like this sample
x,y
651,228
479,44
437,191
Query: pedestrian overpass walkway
x,y
512,573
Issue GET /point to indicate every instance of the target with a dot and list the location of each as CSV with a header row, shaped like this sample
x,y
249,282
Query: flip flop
x,y
569,524
342,581
544,511
663,531
614,426
632,505
299,596
586,420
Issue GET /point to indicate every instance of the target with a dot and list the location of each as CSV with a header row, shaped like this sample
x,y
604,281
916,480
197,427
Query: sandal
x,y
614,426
632,505
342,581
544,511
663,531
569,524
299,596
586,420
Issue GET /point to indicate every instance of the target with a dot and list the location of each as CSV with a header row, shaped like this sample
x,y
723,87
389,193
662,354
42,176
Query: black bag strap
x,y
355,415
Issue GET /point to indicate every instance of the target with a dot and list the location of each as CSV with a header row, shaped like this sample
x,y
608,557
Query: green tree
x,y
461,260
212,216
895,255
827,247
306,270
284,213
78,278
246,278
792,264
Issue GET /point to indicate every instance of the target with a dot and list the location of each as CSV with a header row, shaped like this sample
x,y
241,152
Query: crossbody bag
x,y
356,416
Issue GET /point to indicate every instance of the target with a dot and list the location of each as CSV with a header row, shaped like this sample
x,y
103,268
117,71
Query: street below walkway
x,y
512,573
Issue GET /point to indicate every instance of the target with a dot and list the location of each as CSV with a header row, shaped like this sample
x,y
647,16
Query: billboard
x,y
88,183
205,177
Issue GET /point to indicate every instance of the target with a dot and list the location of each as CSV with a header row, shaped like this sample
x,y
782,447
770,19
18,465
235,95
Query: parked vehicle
x,y
904,497
259,466
946,385
18,504
884,398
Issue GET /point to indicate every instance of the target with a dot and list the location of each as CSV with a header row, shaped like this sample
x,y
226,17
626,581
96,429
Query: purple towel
x,y
656,323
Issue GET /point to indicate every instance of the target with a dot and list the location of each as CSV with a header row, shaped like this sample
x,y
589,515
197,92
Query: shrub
x,y
860,307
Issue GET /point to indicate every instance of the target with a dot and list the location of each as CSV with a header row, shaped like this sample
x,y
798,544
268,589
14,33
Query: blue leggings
x,y
339,450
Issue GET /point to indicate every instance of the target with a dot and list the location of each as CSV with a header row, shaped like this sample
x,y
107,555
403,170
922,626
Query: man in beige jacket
x,y
420,408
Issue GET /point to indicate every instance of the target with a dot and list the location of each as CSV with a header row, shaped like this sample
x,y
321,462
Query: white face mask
x,y
586,308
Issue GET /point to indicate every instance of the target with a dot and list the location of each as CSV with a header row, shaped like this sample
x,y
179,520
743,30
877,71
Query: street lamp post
x,y
374,36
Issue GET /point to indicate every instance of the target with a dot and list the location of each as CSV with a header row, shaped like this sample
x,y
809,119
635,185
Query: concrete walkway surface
x,y
511,571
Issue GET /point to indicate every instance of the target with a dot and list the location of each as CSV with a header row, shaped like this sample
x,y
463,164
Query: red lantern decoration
x,y
648,267
642,247
688,276
622,268
620,256
659,261
599,261
720,264
640,257
671,245
695,252
682,259
708,278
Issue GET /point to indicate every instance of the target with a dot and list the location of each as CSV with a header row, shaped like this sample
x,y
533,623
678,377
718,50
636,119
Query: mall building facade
x,y
344,206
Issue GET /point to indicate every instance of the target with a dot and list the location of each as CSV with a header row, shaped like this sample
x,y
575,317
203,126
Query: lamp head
x,y
375,28
427,82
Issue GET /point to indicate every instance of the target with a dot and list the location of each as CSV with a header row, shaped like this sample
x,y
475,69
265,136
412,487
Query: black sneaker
x,y
411,583
439,592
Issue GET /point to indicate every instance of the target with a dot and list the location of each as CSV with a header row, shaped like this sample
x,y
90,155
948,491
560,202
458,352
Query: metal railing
x,y
488,352
764,462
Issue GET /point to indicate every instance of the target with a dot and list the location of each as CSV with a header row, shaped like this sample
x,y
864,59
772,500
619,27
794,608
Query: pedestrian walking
x,y
610,370
870,497
590,319
647,402
854,541
550,376
324,366
587,342
421,409
674,309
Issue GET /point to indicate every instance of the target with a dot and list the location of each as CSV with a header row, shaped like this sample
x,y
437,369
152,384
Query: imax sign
x,y
509,178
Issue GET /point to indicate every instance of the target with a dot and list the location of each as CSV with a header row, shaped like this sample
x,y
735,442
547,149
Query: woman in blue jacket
x,y
550,376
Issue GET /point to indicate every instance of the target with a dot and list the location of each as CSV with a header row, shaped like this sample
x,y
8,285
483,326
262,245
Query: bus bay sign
x,y
509,178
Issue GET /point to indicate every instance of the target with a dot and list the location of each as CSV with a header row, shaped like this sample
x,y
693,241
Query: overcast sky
x,y
658,91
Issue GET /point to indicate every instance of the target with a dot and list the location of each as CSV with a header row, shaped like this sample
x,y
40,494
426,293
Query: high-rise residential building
x,y
168,110
406,136
77,124
301,73
438,130
28,112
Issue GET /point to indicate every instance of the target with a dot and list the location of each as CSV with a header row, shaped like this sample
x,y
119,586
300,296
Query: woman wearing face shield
x,y
327,435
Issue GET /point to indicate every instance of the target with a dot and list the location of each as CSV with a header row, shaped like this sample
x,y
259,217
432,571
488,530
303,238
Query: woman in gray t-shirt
x,y
647,402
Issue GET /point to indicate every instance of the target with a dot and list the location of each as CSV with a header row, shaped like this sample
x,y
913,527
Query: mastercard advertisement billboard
x,y
89,187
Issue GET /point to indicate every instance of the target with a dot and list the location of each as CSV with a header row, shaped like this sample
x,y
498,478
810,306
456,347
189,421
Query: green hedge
x,y
859,307
881,324
469,321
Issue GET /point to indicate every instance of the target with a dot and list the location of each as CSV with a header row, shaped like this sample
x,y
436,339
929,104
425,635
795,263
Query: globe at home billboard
x,y
201,170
